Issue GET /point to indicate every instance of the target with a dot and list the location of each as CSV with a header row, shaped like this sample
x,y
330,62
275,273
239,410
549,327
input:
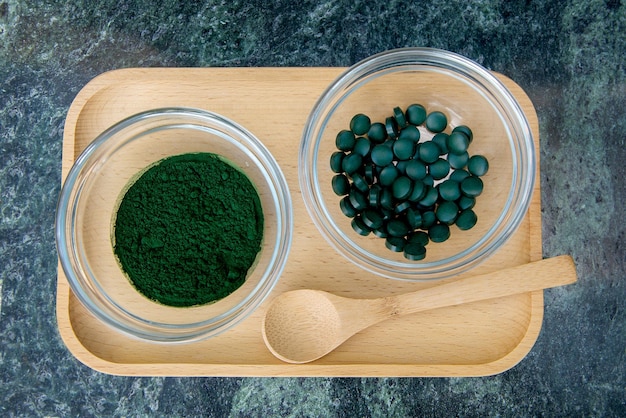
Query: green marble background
x,y
570,57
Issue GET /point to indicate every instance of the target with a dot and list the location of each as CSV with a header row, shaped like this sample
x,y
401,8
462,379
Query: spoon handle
x,y
543,274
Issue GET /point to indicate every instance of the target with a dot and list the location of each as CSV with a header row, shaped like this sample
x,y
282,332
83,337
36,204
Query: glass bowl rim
x,y
522,185
130,324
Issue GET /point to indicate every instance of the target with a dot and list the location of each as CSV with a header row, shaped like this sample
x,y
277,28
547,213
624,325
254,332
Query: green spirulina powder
x,y
188,230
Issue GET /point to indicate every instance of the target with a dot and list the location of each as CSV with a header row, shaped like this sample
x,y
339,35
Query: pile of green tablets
x,y
404,188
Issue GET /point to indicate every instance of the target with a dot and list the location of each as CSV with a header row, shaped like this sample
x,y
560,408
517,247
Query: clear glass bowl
x,y
468,94
89,198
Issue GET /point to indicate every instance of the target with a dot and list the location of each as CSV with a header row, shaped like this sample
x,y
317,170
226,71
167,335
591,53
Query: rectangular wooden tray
x,y
477,339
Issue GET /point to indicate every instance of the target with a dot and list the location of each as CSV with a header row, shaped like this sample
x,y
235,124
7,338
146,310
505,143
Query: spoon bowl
x,y
310,317
301,326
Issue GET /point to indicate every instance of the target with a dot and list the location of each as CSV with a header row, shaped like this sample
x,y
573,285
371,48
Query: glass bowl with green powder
x,y
417,164
174,225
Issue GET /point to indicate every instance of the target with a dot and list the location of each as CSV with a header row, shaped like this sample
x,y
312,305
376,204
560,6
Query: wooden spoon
x,y
303,325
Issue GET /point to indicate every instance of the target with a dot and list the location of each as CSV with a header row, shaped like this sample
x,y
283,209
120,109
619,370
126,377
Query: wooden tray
x,y
482,338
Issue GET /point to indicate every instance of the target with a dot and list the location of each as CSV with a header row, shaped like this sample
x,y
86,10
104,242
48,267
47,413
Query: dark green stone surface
x,y
569,56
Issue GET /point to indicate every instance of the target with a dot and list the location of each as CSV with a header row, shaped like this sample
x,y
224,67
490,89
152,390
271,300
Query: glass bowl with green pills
x,y
174,225
417,164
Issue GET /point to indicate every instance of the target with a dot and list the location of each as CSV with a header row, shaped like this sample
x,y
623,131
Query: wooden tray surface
x,y
476,339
